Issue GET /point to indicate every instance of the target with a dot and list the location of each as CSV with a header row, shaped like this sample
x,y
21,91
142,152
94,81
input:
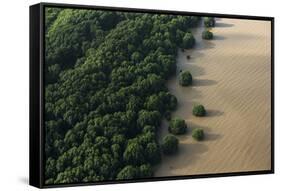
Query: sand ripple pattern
x,y
232,80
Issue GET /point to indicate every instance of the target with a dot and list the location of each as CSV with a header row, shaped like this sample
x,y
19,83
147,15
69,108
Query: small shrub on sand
x,y
185,78
207,35
198,134
177,126
199,110
209,21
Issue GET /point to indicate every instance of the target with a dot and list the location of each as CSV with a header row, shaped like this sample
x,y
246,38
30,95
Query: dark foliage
x,y
105,92
128,172
209,21
185,78
199,110
207,35
170,145
198,134
188,41
177,126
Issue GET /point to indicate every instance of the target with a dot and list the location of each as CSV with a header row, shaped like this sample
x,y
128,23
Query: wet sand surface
x,y
231,76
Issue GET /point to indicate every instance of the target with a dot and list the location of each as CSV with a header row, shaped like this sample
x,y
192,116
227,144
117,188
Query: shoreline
x,y
227,71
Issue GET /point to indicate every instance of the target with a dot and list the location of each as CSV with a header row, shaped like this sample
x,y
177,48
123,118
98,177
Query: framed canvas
x,y
122,95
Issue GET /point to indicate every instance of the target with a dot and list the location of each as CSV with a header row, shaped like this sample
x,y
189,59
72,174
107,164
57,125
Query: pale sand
x,y
232,80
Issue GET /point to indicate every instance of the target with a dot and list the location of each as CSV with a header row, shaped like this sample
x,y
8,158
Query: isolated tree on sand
x,y
177,126
199,110
209,22
207,35
185,78
198,134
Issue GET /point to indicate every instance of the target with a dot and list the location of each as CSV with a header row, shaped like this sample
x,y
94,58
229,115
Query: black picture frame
x,y
36,110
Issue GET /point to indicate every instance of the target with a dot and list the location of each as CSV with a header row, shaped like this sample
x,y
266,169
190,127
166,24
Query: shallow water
x,y
232,80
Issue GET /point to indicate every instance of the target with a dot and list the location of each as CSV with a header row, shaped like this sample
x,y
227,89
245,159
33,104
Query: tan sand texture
x,y
232,79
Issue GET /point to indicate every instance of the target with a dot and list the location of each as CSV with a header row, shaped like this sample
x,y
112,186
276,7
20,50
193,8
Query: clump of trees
x,y
132,172
105,93
209,22
185,78
188,41
177,126
199,110
198,134
170,145
128,172
145,171
207,35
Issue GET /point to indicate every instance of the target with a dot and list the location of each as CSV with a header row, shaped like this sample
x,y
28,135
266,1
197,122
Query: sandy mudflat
x,y
232,80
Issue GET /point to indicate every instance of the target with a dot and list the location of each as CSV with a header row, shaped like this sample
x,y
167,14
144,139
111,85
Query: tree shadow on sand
x,y
217,37
203,82
219,24
188,154
211,136
194,69
192,126
203,45
214,113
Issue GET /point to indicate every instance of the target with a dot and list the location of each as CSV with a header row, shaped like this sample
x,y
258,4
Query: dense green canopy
x,y
105,92
198,134
188,41
177,126
207,35
209,21
170,145
128,172
185,78
199,110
